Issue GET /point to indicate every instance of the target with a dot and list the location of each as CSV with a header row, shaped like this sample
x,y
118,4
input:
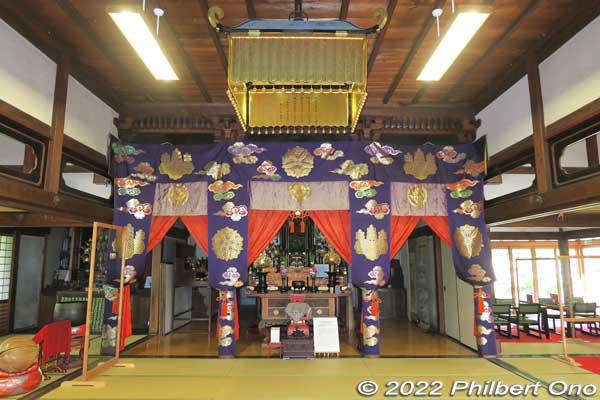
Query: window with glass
x,y
6,259
502,270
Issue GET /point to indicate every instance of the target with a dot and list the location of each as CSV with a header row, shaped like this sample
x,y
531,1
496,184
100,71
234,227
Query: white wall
x,y
26,75
27,80
87,118
571,76
507,119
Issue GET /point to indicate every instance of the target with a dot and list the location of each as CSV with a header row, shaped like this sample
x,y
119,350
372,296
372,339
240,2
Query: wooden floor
x,y
398,338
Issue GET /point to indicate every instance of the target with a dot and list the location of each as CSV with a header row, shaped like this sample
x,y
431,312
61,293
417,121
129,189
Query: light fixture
x,y
463,28
137,32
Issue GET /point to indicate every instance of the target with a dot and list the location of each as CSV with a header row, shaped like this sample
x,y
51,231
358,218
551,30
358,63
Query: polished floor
x,y
398,338
186,378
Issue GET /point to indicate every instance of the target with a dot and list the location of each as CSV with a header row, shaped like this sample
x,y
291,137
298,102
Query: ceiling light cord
x,y
437,12
159,12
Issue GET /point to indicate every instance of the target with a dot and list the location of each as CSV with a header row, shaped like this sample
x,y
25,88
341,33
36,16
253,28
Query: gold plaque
x,y
178,195
416,195
299,191
227,244
469,240
297,162
176,164
372,245
419,165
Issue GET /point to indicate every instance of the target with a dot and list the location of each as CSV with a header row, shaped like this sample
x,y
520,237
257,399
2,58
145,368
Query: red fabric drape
x,y
263,225
335,226
441,228
158,229
400,229
55,339
126,328
197,226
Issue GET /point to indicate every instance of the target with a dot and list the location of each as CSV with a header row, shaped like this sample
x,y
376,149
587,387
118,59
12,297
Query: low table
x,y
298,348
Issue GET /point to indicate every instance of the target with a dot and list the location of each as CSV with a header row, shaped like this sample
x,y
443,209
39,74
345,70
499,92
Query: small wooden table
x,y
272,305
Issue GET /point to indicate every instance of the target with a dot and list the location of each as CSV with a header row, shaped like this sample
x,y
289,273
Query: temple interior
x,y
284,199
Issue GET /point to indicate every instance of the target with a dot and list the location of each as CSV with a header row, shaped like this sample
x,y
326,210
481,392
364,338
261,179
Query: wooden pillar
x,y
439,284
540,145
591,147
57,130
156,296
565,266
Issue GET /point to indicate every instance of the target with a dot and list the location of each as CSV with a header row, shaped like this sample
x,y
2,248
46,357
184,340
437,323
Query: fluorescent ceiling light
x,y
136,31
462,30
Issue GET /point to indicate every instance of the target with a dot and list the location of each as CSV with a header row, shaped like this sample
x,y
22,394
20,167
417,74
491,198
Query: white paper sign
x,y
326,336
275,334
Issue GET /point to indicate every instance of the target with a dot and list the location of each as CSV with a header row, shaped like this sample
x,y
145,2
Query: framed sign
x,y
326,336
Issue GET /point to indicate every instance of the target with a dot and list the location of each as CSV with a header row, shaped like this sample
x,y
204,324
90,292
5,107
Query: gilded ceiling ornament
x,y
469,240
478,274
134,242
449,155
461,189
223,190
297,162
472,168
178,195
373,244
327,152
416,195
419,165
365,188
375,209
299,191
354,171
470,208
176,164
227,244
215,170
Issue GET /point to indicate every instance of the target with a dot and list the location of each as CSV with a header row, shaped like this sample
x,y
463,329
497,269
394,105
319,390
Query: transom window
x,y
6,256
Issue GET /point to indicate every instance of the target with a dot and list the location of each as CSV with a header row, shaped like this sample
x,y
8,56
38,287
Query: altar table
x,y
272,305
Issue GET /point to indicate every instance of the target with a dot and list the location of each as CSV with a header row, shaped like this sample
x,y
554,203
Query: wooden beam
x,y
28,25
27,220
591,147
379,41
583,193
55,145
95,38
491,49
543,170
419,93
33,199
344,9
250,9
189,63
416,44
214,36
521,235
563,220
582,233
543,47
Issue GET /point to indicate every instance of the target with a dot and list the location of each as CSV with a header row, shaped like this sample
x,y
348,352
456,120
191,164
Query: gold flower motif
x,y
176,164
299,191
297,162
420,166
354,171
469,240
178,195
372,245
417,195
227,244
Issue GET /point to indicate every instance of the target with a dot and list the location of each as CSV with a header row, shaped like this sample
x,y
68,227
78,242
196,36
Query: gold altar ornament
x,y
299,191
176,164
332,258
227,244
354,171
419,165
469,240
297,162
178,195
372,245
263,261
134,242
417,195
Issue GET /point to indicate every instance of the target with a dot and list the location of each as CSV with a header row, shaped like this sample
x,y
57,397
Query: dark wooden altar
x,y
272,305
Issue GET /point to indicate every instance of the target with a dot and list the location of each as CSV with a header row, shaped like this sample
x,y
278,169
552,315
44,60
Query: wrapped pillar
x,y
370,327
227,323
484,321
